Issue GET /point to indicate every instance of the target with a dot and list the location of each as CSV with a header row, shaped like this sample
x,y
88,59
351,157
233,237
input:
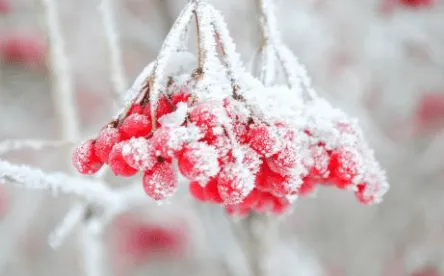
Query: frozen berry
x,y
344,166
118,164
85,159
197,191
198,162
139,153
264,140
181,96
136,125
235,183
164,106
212,192
206,116
105,142
161,181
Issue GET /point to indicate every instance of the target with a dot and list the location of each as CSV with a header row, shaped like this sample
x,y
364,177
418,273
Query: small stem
x,y
200,51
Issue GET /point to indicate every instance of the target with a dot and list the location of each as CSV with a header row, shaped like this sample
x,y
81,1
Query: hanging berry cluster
x,y
240,144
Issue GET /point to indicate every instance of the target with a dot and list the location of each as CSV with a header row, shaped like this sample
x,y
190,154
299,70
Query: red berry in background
x,y
108,137
417,3
197,191
161,181
139,153
264,140
85,159
5,6
198,162
23,49
235,183
117,163
136,125
427,272
430,112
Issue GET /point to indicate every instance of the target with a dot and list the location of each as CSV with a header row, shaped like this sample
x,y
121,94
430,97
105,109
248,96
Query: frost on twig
x,y
25,176
13,145
118,77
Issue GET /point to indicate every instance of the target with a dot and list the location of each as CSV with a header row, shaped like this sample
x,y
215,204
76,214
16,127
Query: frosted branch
x,y
13,145
27,177
67,225
92,247
118,77
169,46
63,89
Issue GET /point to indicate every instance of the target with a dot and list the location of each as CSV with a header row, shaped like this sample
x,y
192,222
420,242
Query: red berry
x,y
164,106
417,3
108,137
22,49
169,141
85,159
207,117
181,96
212,192
283,185
118,164
264,203
139,153
344,166
317,161
198,162
264,140
235,183
137,109
197,191
279,205
136,125
261,178
4,6
161,181
307,187
286,160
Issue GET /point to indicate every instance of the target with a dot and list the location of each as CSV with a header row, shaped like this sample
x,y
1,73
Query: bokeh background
x,y
380,60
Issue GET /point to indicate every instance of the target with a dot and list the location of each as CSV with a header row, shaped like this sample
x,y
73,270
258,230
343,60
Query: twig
x,y
118,77
63,90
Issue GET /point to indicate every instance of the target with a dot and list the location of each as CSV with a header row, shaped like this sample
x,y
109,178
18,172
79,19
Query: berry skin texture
x,y
197,191
235,183
285,160
85,159
164,106
264,140
136,125
139,153
212,192
344,166
205,117
161,181
105,142
118,164
198,162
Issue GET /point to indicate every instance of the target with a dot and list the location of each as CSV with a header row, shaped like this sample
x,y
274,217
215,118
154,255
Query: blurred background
x,y
379,60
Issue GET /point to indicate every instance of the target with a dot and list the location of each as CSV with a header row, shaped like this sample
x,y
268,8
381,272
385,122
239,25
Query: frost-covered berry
x,y
169,141
161,181
286,160
264,140
139,153
261,178
136,125
198,162
235,183
344,166
105,142
118,164
307,187
180,97
85,159
317,162
136,109
206,117
283,185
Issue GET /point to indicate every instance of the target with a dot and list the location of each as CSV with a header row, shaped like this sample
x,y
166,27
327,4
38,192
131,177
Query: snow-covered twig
x,y
13,145
92,247
63,89
118,77
86,188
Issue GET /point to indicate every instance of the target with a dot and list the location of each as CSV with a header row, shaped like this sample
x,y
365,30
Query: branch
x,y
63,90
27,177
13,145
118,77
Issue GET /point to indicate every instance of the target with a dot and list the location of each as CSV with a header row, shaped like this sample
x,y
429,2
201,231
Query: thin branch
x,y
90,190
118,76
63,89
13,145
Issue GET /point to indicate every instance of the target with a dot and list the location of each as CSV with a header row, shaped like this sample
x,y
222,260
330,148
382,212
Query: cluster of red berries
x,y
232,157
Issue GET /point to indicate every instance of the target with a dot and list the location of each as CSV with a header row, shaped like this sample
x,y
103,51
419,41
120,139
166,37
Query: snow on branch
x,y
27,177
118,77
13,145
